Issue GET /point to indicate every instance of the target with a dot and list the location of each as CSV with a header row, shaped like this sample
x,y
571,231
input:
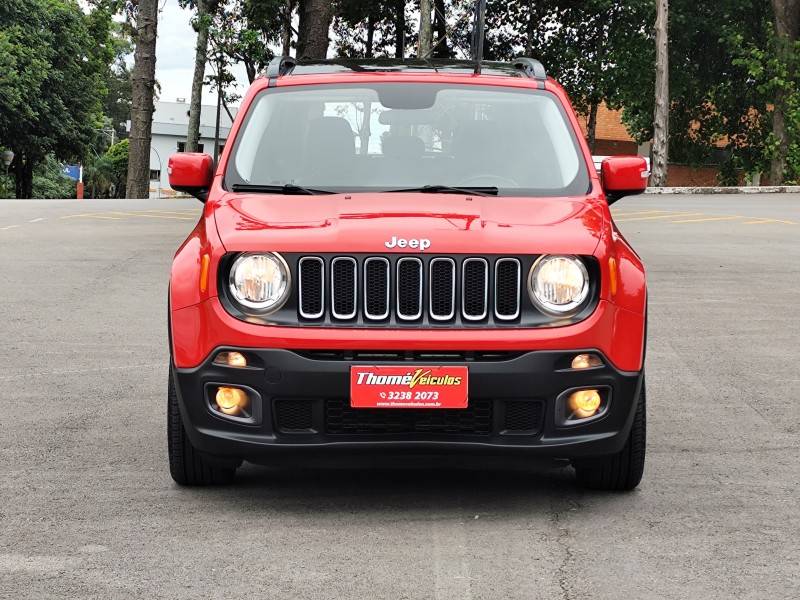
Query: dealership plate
x,y
408,387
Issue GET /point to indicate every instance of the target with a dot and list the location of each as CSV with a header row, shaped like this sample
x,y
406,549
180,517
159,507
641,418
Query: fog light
x,y
231,359
586,361
232,401
584,403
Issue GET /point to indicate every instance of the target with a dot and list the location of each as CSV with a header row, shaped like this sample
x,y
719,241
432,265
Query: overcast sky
x,y
175,56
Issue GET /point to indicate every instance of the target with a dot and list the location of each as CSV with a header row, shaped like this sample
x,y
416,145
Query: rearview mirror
x,y
191,172
624,176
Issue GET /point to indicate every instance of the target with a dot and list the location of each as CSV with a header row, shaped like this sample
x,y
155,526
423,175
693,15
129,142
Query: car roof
x,y
284,66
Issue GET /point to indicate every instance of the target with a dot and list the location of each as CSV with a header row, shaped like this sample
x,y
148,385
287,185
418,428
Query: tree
x,y
787,31
243,31
661,115
51,82
202,24
425,29
143,82
314,26
588,45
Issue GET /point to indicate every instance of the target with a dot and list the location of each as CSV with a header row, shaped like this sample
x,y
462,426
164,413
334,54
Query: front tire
x,y
187,465
622,471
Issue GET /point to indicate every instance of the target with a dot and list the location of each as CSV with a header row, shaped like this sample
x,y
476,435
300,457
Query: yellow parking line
x,y
90,216
641,212
170,212
768,221
670,216
129,214
731,218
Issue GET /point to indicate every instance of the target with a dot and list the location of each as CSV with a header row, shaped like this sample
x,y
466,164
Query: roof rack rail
x,y
531,66
280,65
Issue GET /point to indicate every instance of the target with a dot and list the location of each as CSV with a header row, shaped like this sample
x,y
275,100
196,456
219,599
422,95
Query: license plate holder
x,y
403,387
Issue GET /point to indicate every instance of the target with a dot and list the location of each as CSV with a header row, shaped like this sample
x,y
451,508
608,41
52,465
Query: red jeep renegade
x,y
412,256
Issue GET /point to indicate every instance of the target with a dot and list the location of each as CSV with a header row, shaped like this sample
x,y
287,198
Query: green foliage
x,y
775,73
105,175
594,48
49,180
718,111
52,65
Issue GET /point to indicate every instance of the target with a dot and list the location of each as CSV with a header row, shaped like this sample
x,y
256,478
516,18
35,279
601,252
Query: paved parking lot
x,y
87,508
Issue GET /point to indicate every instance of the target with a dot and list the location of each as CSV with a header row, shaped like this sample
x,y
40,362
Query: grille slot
x,y
474,288
340,419
311,287
343,287
409,289
522,416
376,288
294,416
506,288
442,289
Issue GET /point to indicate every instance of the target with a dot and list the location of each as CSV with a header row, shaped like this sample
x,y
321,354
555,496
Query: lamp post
x,y
8,157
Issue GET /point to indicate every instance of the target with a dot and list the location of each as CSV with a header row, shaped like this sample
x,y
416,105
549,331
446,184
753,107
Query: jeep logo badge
x,y
421,244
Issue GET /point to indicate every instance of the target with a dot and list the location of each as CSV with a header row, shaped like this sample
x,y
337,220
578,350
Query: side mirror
x,y
191,172
624,176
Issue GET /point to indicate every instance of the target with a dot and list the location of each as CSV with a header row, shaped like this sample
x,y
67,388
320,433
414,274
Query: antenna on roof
x,y
478,33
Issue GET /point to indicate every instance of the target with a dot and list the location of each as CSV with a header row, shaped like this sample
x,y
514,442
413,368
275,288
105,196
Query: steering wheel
x,y
487,180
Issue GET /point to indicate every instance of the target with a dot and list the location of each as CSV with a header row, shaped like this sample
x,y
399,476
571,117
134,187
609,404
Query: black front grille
x,y
340,419
312,287
507,288
412,291
343,287
522,416
476,288
442,289
293,416
376,287
409,288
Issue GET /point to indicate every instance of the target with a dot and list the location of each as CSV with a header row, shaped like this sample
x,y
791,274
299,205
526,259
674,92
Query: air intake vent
x,y
507,288
343,287
442,289
475,289
312,287
409,289
376,288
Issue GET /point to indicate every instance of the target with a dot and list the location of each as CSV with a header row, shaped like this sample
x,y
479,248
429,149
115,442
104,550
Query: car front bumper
x,y
300,400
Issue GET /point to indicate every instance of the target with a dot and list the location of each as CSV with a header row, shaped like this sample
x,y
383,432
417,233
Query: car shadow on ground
x,y
471,486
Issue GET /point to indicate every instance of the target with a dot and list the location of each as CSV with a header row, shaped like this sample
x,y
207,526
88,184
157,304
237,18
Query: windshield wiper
x,y
289,189
448,189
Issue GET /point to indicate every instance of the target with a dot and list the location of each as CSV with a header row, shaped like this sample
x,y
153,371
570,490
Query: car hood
x,y
367,222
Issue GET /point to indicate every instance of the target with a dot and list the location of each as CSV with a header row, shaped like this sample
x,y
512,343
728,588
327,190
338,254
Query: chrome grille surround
x,y
395,290
344,293
446,316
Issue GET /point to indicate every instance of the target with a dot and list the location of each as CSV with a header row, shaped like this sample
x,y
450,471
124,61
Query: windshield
x,y
390,136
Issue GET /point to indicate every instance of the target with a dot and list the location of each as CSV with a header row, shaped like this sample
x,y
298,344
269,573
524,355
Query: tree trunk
x,y
787,28
369,50
142,83
204,8
400,29
22,167
425,29
440,50
661,116
591,126
286,33
315,22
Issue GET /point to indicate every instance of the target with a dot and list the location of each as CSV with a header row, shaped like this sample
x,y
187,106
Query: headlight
x,y
260,281
558,284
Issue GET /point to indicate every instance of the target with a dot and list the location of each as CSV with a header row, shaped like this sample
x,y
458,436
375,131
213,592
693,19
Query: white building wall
x,y
164,146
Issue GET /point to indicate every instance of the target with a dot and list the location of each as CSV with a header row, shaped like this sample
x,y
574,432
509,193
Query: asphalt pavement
x,y
87,508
